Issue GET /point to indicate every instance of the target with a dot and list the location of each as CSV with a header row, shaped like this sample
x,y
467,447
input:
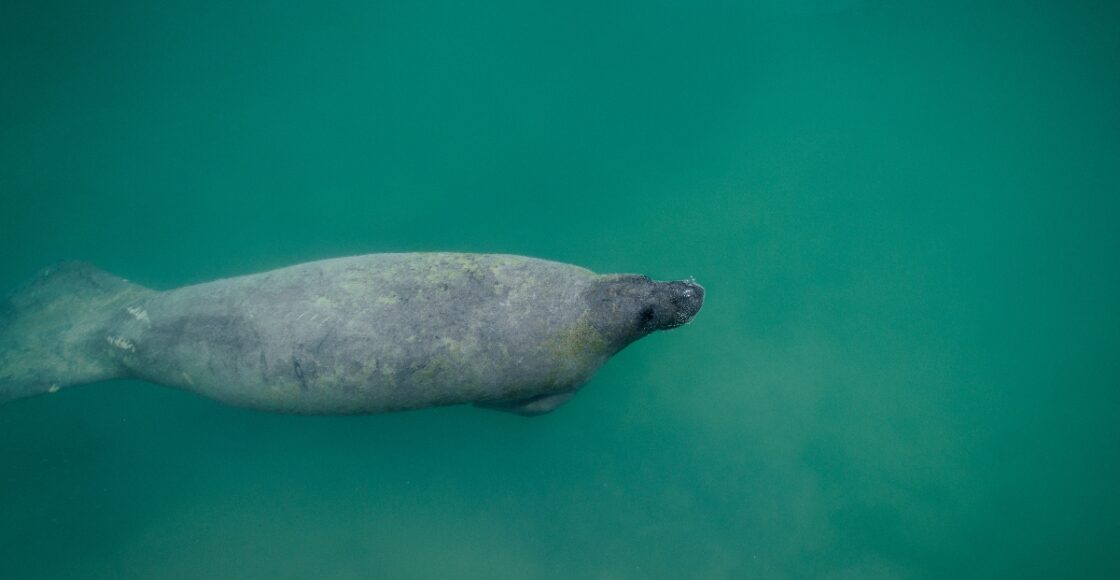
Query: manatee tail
x,y
52,329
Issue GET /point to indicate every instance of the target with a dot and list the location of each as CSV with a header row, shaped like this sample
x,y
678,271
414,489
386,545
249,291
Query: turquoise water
x,y
905,216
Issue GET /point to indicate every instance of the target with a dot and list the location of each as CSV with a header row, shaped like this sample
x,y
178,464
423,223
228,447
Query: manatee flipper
x,y
53,329
530,406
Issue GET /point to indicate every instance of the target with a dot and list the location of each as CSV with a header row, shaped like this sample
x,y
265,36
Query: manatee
x,y
363,334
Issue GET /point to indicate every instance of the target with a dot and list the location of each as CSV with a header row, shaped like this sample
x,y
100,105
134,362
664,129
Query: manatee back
x,y
374,333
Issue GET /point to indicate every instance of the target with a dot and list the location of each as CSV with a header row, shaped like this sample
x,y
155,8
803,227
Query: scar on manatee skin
x,y
121,343
299,373
139,314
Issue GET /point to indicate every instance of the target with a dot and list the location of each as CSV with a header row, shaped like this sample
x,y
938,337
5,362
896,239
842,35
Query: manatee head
x,y
626,307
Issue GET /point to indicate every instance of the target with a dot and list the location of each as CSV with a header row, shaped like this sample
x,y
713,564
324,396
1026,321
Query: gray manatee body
x,y
364,334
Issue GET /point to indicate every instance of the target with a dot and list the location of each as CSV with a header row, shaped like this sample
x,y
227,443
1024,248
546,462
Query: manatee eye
x,y
645,317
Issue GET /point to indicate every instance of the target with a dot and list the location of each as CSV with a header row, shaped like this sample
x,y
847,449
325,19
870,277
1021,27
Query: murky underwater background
x,y
905,215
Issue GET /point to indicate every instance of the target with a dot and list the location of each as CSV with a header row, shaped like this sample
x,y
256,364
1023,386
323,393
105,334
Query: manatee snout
x,y
678,302
627,307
